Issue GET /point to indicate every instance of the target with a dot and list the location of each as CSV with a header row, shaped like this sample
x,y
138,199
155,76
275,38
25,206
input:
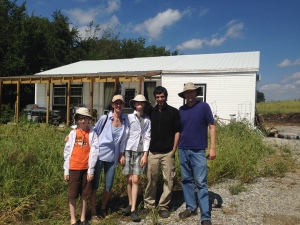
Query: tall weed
x,y
32,190
275,107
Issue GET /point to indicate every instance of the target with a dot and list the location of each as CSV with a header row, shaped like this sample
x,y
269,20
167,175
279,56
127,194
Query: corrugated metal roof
x,y
200,63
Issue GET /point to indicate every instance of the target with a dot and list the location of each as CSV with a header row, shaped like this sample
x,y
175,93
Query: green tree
x,y
260,97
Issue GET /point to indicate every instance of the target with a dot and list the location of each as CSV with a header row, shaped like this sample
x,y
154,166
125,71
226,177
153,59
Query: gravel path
x,y
266,201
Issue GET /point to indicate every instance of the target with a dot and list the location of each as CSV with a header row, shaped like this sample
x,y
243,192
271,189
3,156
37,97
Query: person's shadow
x,y
215,200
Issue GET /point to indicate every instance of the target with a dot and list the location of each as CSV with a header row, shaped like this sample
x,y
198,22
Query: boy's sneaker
x,y
206,222
84,222
135,216
127,210
186,213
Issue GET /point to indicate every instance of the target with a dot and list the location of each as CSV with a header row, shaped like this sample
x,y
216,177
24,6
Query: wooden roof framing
x,y
72,78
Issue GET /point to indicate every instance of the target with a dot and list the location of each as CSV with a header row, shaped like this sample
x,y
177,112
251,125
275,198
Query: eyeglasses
x,y
83,118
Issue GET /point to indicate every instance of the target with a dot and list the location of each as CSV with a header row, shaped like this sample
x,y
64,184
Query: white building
x,y
228,82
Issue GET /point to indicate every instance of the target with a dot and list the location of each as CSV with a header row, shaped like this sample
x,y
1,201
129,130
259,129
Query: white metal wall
x,y
225,93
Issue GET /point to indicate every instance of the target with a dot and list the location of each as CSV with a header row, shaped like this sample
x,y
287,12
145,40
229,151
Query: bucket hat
x,y
139,98
118,97
83,112
187,87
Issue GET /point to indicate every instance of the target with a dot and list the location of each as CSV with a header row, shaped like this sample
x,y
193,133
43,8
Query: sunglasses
x,y
83,118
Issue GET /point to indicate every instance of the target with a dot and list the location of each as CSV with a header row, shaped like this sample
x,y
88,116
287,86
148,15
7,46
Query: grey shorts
x,y
132,163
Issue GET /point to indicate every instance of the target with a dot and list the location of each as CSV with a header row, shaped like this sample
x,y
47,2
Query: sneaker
x,y
186,213
135,216
95,219
127,210
103,213
84,222
206,222
164,213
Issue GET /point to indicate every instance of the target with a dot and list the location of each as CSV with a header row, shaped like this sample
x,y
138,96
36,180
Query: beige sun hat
x,y
83,112
118,97
188,87
139,98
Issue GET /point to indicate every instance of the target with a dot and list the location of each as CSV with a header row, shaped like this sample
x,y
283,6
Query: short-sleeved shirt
x,y
195,120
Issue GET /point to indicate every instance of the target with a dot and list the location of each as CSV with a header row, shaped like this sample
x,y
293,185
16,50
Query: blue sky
x,y
202,27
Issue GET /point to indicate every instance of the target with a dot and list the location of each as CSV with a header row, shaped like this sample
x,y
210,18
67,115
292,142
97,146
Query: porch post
x,y
140,84
68,102
48,102
17,106
91,96
1,82
116,85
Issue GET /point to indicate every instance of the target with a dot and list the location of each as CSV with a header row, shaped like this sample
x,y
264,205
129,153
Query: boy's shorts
x,y
132,163
78,184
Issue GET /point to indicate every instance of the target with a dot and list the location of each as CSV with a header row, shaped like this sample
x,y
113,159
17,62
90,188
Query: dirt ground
x,y
272,120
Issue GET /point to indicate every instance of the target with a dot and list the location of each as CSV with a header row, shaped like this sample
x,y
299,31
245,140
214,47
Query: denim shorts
x,y
109,173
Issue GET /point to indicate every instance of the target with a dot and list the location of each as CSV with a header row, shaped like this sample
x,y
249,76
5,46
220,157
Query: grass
x,y
32,190
278,107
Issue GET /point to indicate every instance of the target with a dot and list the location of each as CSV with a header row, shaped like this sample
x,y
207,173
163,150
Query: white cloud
x,y
203,12
288,62
234,30
81,17
154,27
278,92
113,22
113,5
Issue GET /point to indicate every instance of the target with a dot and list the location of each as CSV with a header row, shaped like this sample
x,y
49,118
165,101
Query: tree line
x,y
30,44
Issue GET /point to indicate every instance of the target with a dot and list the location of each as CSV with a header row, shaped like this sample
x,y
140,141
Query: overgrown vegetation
x,y
32,189
279,107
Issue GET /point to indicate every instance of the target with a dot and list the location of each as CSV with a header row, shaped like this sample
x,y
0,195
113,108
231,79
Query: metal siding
x,y
226,93
201,63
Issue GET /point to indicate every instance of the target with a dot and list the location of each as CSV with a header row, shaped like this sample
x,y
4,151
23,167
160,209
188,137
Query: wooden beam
x,y
17,103
68,102
1,82
48,102
91,96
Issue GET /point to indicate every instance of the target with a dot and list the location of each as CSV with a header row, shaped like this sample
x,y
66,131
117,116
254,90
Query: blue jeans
x,y
193,168
109,172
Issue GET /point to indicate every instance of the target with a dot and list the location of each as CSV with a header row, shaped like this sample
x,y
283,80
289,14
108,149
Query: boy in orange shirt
x,y
80,155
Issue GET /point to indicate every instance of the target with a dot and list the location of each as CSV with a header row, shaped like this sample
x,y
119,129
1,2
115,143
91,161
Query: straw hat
x,y
188,87
83,112
118,97
139,98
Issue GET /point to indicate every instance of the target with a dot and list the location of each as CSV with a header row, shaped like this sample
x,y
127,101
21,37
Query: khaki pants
x,y
155,162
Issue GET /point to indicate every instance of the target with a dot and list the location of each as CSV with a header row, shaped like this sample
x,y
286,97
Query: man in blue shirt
x,y
195,117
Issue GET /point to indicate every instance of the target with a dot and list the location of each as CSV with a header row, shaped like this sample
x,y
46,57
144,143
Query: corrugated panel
x,y
202,63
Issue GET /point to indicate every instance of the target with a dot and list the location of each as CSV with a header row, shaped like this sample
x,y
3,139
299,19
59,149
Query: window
x,y
129,94
60,95
202,94
76,96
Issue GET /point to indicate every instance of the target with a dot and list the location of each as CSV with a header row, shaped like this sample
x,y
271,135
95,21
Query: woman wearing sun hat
x,y
113,133
136,151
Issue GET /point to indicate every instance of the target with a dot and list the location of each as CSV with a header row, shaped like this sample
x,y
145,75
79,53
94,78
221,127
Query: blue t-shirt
x,y
194,121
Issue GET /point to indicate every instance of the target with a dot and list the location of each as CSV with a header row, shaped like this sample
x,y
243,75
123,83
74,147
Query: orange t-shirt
x,y
81,151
